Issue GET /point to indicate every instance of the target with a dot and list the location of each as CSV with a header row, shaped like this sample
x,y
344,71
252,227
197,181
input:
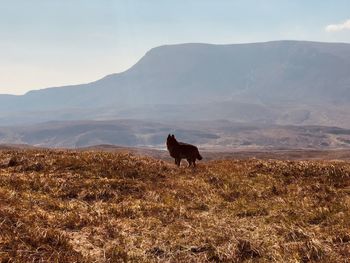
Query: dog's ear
x,y
173,136
168,135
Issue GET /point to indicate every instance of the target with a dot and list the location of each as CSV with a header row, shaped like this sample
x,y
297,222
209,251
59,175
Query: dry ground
x,y
234,153
66,206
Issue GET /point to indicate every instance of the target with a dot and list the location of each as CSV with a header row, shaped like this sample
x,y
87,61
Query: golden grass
x,y
66,206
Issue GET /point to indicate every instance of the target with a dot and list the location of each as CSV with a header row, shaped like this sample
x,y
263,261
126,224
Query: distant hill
x,y
217,135
280,82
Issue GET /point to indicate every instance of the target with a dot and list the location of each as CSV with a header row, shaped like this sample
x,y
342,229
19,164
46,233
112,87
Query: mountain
x,y
280,82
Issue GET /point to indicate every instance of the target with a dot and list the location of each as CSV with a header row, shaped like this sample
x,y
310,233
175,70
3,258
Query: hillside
x,y
218,135
66,206
280,82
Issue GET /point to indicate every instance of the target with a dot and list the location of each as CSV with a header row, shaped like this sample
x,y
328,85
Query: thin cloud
x,y
338,27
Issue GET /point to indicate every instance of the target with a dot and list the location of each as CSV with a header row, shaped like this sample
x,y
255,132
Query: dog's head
x,y
170,140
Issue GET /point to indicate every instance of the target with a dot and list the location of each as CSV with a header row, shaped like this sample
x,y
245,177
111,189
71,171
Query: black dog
x,y
181,150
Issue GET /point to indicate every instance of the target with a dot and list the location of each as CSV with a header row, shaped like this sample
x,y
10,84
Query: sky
x,y
50,43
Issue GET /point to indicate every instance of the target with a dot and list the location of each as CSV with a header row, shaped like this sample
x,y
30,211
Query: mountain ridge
x,y
190,44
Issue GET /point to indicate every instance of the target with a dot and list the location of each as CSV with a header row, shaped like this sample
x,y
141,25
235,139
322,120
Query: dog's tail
x,y
199,157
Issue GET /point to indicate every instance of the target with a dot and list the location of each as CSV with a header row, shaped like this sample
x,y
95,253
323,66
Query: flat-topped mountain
x,y
281,82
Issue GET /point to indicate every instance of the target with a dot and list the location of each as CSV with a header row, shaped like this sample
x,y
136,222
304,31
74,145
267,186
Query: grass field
x,y
88,206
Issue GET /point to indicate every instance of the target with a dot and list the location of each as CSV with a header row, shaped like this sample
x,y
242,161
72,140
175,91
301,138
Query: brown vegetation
x,y
65,206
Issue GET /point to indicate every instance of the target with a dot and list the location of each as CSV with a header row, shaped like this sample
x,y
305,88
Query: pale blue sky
x,y
45,43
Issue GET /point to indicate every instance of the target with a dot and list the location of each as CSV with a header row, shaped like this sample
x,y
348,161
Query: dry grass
x,y
64,206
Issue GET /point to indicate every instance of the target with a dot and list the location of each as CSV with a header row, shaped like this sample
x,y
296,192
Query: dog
x,y
181,150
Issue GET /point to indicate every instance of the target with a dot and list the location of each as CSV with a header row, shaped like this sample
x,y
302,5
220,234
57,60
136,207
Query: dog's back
x,y
188,150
